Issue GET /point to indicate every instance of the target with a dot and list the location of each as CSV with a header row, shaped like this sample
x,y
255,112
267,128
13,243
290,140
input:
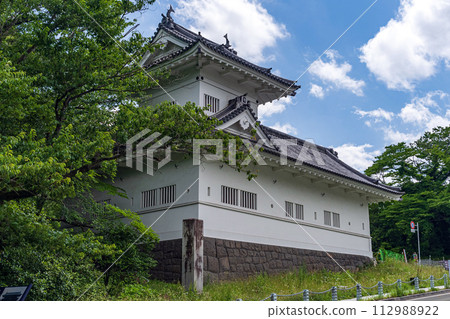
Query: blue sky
x,y
385,81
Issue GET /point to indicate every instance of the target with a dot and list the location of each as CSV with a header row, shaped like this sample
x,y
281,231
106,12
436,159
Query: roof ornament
x,y
169,12
167,19
227,43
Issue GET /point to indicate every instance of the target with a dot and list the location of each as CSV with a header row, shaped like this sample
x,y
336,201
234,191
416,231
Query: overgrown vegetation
x,y
262,285
69,96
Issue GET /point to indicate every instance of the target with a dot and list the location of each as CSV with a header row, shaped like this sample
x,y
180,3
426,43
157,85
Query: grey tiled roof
x,y
233,109
326,161
192,38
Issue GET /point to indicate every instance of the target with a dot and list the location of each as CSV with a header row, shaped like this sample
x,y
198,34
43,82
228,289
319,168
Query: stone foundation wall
x,y
226,259
168,255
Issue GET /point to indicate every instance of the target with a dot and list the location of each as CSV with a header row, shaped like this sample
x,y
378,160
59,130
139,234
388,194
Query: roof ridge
x,y
191,37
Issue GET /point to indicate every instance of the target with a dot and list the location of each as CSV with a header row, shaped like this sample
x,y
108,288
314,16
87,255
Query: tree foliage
x,y
422,170
69,94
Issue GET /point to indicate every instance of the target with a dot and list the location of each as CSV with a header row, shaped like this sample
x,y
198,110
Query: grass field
x,y
262,285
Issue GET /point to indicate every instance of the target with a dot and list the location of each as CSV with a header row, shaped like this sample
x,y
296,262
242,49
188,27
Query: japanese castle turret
x,y
304,207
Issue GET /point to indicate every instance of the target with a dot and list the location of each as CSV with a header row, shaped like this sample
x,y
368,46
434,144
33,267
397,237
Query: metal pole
x,y
418,242
358,292
380,288
334,296
306,295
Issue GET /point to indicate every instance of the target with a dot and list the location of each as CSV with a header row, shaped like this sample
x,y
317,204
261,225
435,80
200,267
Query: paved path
x,y
443,295
435,297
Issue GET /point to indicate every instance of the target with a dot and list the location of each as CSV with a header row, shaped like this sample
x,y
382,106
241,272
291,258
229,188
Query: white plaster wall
x,y
184,90
266,225
224,88
257,226
169,223
181,173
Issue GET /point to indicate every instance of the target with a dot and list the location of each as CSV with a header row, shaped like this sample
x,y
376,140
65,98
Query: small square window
x,y
212,103
299,212
248,200
289,207
336,220
230,195
327,218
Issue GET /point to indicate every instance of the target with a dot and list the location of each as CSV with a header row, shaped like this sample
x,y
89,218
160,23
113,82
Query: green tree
x,y
422,170
69,94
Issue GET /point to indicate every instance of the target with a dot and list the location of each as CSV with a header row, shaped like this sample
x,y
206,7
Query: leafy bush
x,y
63,263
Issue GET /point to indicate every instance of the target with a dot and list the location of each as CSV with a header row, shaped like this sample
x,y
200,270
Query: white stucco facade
x,y
198,195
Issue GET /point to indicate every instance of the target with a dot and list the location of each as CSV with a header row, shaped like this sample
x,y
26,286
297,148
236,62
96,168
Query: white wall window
x,y
248,200
212,103
327,218
336,220
158,196
167,194
230,195
299,214
148,198
289,207
363,226
330,217
236,197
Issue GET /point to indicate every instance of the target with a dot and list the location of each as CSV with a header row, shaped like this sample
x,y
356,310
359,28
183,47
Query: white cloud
x,y
420,115
285,128
357,156
409,48
249,26
419,112
317,91
274,107
393,136
378,114
335,74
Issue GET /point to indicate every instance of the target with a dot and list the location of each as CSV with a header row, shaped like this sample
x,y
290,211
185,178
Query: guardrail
x,y
305,293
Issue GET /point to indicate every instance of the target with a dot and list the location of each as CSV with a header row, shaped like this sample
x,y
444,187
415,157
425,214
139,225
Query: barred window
x,y
212,103
230,195
167,194
299,212
289,207
336,220
248,200
148,198
327,218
